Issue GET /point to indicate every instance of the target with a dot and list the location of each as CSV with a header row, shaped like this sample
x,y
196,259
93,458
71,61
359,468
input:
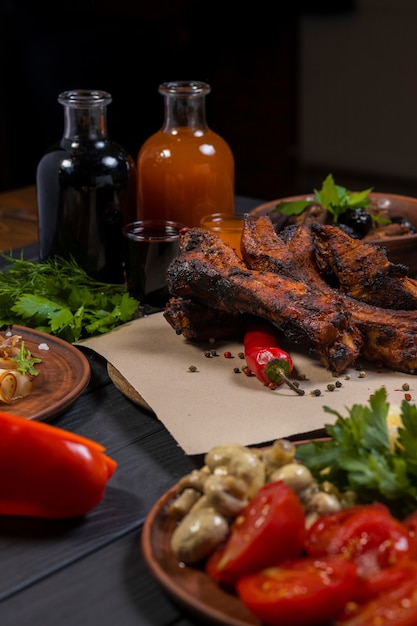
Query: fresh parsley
x,y
334,198
58,297
359,456
25,361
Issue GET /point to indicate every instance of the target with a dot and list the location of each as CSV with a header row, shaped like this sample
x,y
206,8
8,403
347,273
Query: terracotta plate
x,y
63,376
401,249
189,586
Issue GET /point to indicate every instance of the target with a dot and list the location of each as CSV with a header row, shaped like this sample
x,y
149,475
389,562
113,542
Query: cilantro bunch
x,y
359,456
336,199
58,297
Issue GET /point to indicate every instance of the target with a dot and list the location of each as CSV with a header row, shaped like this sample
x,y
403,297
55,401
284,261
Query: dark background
x,y
248,54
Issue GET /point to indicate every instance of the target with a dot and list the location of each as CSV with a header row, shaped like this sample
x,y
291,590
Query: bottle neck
x,y
85,114
184,105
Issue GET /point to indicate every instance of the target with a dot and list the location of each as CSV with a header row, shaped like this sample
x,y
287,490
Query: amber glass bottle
x,y
86,188
185,170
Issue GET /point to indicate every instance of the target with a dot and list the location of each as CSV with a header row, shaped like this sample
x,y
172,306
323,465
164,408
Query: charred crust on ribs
x,y
284,278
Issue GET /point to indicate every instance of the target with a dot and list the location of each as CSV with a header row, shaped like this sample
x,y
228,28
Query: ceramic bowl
x,y
401,249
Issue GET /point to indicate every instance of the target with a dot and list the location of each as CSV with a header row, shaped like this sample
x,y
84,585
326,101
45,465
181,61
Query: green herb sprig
x,y
58,297
359,456
336,199
25,362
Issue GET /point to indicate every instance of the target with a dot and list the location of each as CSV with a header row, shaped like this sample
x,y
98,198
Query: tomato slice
x,y
223,577
410,523
386,579
301,592
393,607
366,534
269,530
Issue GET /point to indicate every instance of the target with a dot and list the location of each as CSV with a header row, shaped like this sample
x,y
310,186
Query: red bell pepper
x,y
264,358
49,472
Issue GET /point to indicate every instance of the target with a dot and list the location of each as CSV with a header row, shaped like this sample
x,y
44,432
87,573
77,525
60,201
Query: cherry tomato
x,y
269,530
410,523
223,577
366,534
388,578
394,607
301,592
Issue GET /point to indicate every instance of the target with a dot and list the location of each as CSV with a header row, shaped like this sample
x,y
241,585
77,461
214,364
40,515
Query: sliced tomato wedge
x,y
269,530
301,592
222,576
366,534
393,607
386,579
410,523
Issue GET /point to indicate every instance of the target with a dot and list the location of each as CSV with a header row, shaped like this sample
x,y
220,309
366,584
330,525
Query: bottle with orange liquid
x,y
185,170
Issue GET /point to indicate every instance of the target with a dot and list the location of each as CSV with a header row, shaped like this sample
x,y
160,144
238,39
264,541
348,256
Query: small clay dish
x,y
400,249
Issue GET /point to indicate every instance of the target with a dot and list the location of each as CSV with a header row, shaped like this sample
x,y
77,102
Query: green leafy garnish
x,y
58,297
360,457
334,198
25,361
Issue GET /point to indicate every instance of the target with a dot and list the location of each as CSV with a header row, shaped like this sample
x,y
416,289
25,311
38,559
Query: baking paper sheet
x,y
217,405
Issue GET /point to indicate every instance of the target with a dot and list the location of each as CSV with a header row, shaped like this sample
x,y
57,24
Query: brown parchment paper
x,y
216,405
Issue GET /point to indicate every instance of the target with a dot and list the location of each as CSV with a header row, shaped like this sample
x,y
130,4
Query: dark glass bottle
x,y
86,188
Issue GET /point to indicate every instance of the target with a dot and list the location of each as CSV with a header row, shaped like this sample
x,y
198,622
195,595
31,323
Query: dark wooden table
x,y
18,218
92,572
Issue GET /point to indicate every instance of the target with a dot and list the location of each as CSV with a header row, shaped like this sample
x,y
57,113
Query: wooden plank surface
x,y
18,218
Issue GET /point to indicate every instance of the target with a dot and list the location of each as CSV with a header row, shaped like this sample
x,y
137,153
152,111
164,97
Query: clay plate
x,y
63,376
401,249
189,586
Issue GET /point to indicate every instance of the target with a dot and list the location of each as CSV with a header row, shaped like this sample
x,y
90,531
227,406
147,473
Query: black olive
x,y
348,230
358,219
404,222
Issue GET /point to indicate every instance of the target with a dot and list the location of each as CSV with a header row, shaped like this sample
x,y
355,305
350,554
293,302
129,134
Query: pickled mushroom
x,y
225,493
198,534
239,461
295,475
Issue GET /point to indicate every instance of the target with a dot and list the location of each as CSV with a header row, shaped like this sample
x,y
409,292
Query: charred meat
x,y
286,278
209,272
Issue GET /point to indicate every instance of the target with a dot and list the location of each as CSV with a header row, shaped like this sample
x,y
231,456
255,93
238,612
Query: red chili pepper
x,y
49,472
270,364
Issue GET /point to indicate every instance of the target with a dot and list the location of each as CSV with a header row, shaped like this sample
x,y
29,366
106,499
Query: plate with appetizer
x,y
311,533
40,375
385,219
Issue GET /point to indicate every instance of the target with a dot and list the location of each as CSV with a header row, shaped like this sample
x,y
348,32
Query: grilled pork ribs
x,y
303,281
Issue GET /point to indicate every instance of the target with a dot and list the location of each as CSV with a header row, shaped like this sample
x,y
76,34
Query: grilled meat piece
x,y
389,336
198,322
264,250
390,230
209,272
213,277
363,270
